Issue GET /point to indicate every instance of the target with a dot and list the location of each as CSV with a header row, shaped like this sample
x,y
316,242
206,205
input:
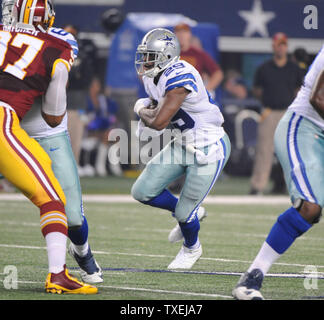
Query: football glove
x,y
141,103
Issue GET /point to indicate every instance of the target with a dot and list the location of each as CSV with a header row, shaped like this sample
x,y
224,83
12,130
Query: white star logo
x,y
256,19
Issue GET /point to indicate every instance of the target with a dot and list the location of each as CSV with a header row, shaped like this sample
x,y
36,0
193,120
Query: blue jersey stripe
x,y
182,84
180,77
72,42
74,46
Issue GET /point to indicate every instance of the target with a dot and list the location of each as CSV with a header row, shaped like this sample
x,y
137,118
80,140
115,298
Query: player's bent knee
x,y
74,214
181,215
137,193
311,212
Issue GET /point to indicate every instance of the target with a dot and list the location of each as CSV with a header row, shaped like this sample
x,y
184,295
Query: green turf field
x,y
226,185
129,241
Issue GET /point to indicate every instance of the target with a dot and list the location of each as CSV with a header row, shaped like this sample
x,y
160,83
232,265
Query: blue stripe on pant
x,y
158,174
299,146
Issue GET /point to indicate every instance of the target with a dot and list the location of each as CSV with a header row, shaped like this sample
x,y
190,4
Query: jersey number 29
x,y
182,120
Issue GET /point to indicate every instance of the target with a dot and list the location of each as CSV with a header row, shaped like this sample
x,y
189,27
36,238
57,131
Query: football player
x,y
299,145
34,63
56,142
200,148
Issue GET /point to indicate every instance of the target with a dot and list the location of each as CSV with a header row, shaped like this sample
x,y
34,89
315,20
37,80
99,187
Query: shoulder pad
x,y
66,36
176,68
180,75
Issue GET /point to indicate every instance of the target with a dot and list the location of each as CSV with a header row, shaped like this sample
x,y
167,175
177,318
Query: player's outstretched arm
x,y
160,117
317,95
54,104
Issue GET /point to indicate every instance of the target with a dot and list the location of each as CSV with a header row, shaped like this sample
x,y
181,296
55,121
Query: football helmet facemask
x,y
37,13
158,50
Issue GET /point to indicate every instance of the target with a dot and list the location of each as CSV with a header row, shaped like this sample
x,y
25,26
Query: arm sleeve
x,y
54,102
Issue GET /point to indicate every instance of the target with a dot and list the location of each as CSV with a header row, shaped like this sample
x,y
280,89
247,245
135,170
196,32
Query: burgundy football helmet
x,y
39,13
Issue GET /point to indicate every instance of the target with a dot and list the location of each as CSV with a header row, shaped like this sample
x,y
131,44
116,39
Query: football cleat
x,y
62,282
248,287
186,258
175,234
90,270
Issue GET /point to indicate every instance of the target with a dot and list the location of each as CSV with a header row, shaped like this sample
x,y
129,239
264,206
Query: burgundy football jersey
x,y
26,63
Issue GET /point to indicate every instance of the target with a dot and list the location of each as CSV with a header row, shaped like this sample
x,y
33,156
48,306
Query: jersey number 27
x,y
33,46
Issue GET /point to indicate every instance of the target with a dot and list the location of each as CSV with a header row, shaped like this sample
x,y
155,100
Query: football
x,y
153,104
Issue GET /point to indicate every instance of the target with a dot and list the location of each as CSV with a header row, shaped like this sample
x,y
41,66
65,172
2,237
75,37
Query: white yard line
x,y
186,293
240,200
158,256
211,295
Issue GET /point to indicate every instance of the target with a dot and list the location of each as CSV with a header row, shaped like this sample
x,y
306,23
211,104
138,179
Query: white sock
x,y
81,250
196,245
265,259
56,251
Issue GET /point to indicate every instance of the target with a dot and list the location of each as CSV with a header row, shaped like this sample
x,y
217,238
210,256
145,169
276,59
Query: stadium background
x,y
234,41
129,239
116,27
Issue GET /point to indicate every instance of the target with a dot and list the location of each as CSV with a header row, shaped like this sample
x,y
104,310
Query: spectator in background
x,y
102,118
301,58
80,80
125,98
192,52
234,86
275,85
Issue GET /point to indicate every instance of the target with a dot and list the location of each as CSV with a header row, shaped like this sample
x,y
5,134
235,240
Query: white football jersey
x,y
301,104
33,122
199,120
